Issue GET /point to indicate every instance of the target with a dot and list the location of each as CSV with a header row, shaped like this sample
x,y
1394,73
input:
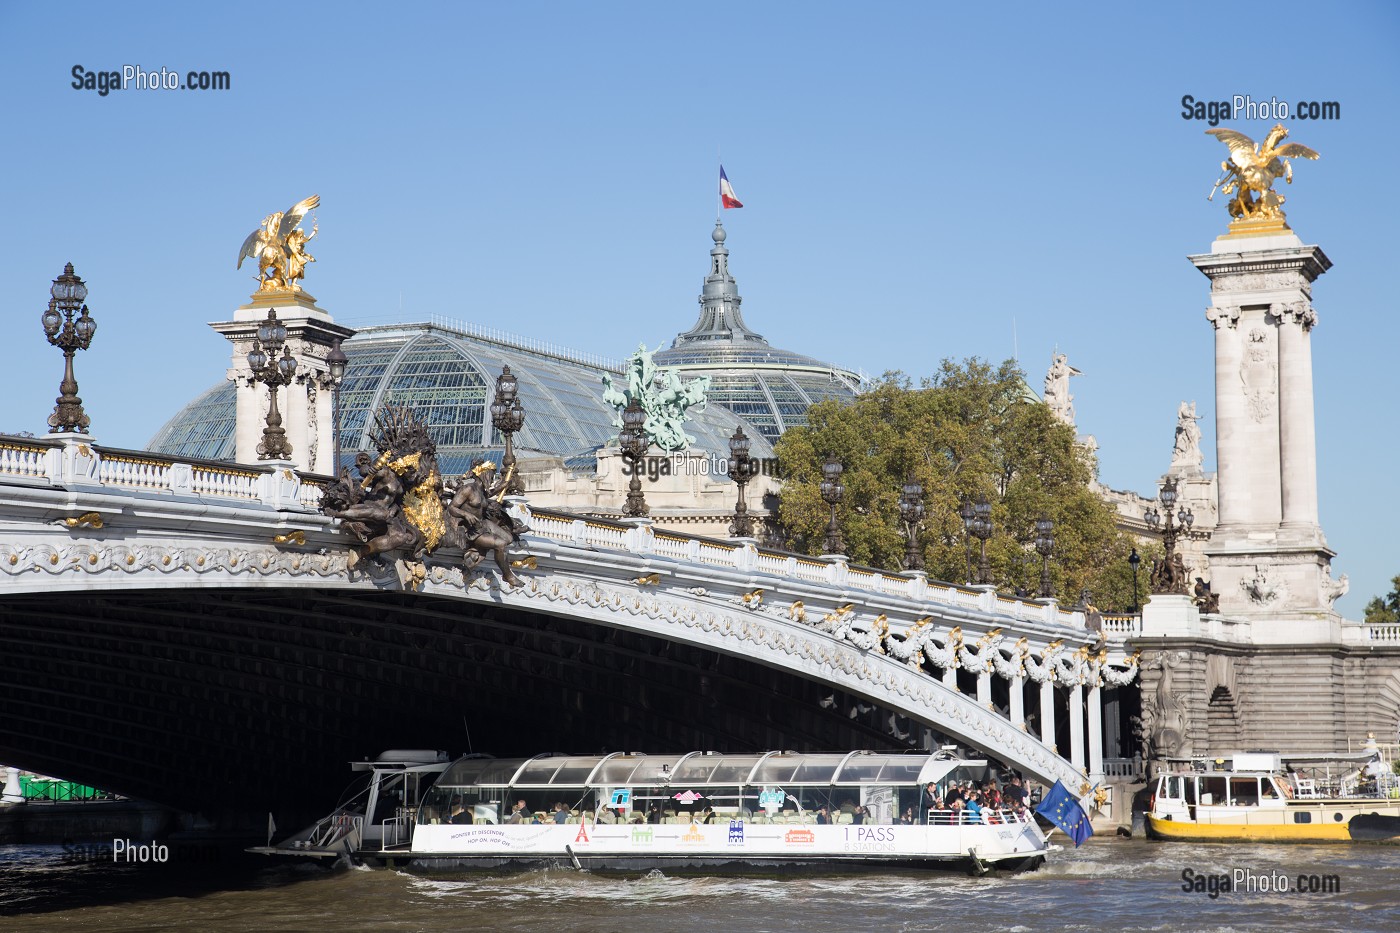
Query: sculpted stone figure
x,y
1057,388
1186,452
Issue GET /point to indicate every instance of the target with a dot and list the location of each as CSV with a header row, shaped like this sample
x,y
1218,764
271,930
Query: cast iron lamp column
x,y
1170,575
968,516
982,530
911,511
336,361
633,441
508,416
272,372
1133,561
742,468
832,491
1044,544
70,336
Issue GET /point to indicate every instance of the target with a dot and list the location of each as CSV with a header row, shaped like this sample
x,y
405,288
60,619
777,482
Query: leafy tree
x,y
969,430
1386,609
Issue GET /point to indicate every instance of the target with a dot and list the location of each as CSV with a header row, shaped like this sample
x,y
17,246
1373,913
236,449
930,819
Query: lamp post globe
x,y
832,491
274,372
911,512
508,417
633,442
336,362
742,468
1044,545
66,297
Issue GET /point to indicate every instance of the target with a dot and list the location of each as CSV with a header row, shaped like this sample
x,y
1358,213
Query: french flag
x,y
726,191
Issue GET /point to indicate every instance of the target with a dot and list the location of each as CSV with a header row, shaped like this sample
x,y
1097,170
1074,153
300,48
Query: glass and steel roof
x,y
698,769
446,372
770,388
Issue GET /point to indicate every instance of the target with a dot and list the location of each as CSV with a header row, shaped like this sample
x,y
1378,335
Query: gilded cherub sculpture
x,y
279,246
1252,169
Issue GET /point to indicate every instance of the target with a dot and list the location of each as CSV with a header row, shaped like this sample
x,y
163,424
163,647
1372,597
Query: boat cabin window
x,y
1213,791
1244,791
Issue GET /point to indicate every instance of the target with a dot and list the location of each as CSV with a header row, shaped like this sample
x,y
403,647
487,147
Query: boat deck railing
x,y
988,817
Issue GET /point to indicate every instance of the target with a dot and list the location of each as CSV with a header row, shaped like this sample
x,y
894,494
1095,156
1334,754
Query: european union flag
x,y
1062,808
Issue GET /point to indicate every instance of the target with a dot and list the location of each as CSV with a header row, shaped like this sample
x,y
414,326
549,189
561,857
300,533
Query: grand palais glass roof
x,y
447,373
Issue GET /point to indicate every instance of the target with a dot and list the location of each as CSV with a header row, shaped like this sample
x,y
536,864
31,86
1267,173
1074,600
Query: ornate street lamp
x,y
336,361
508,415
832,491
633,441
1133,561
911,512
1169,574
1044,544
982,530
968,515
70,336
742,468
272,372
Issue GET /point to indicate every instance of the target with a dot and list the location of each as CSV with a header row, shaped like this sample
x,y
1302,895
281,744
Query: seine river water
x,y
1107,885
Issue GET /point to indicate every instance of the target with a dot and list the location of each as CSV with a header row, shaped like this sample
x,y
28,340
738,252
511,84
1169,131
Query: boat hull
x,y
1328,823
704,865
732,845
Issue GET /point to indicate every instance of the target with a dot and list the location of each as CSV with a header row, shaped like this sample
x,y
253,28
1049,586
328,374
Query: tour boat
x,y
701,811
1253,797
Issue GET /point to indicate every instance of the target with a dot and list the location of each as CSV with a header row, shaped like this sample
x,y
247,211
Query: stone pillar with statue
x,y
1268,557
305,403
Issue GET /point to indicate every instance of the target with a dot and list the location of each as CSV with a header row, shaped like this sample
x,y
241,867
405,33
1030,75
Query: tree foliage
x,y
969,430
1387,608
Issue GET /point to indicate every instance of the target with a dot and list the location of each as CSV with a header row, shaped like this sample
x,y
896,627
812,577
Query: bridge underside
x,y
237,701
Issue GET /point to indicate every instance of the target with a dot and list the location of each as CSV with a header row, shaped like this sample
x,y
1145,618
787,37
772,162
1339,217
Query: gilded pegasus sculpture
x,y
1252,169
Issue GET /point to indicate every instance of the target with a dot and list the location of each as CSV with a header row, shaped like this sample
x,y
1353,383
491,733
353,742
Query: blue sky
x,y
920,180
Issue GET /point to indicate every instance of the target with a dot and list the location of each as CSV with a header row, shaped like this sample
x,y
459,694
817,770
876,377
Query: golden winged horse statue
x,y
1251,170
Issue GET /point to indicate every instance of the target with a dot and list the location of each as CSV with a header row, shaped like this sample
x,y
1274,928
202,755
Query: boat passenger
x,y
709,815
862,815
561,813
908,818
518,813
972,812
928,800
1014,791
459,815
823,817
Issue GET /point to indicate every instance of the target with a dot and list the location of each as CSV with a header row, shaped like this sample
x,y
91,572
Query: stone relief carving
x,y
1226,316
1164,729
1333,590
1257,281
1295,312
1261,590
1259,374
